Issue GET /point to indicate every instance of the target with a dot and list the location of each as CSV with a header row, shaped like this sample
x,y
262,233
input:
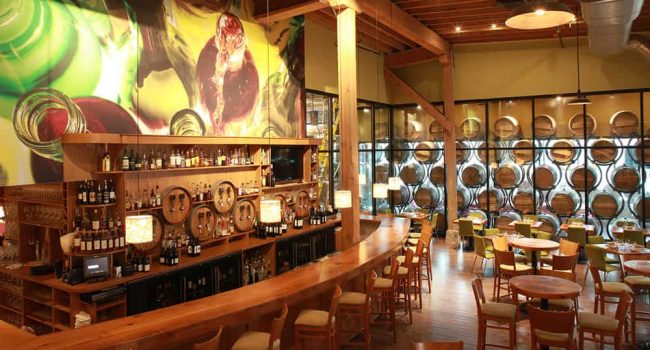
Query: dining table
x,y
544,288
624,249
641,267
534,245
415,216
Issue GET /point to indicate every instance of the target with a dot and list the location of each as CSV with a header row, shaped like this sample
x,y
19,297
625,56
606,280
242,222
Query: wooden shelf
x,y
290,185
39,224
114,251
38,318
9,308
11,291
61,327
110,304
62,308
196,169
35,201
250,195
97,205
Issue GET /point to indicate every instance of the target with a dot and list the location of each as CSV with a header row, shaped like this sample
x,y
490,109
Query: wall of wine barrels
x,y
642,152
583,178
506,128
473,175
426,152
605,205
508,176
578,124
544,126
638,204
625,179
462,152
427,197
624,124
437,175
563,151
505,218
401,197
496,199
603,151
522,152
564,202
471,128
494,155
524,200
412,173
545,177
463,198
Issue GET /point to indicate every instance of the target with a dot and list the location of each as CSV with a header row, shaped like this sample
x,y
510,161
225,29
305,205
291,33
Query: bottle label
x,y
95,225
104,244
96,245
147,267
110,244
121,241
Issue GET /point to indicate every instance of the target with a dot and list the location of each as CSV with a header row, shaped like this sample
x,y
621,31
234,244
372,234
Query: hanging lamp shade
x,y
138,229
579,100
540,15
379,191
342,199
362,179
394,183
270,211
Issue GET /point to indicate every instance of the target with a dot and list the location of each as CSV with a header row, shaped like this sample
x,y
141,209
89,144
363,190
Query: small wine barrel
x,y
565,202
496,201
505,218
462,152
605,205
224,196
436,131
508,176
401,197
624,124
495,154
506,128
584,179
523,201
302,203
176,205
425,152
473,175
437,175
201,223
414,130
577,125
471,128
544,126
463,198
427,197
545,177
550,223
603,151
400,152
625,179
562,151
381,173
283,201
244,214
412,174
523,152
637,206
642,153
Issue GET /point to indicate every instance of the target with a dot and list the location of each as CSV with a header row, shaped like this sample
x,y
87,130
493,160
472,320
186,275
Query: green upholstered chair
x,y
571,221
482,250
531,217
479,216
634,236
523,229
596,256
492,232
577,234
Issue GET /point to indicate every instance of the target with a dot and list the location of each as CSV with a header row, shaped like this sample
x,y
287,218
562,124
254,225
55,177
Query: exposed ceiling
x,y
460,21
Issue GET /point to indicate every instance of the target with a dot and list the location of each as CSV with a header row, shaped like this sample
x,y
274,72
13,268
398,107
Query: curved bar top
x,y
158,328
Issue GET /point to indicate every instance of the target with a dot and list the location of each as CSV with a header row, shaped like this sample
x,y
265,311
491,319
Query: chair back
x,y
543,235
370,285
277,325
426,239
634,236
531,217
568,248
523,228
465,227
433,221
500,243
567,275
334,305
624,302
552,321
479,295
394,267
491,232
577,234
426,228
442,345
212,344
565,262
596,256
505,258
408,260
595,274
479,246
419,249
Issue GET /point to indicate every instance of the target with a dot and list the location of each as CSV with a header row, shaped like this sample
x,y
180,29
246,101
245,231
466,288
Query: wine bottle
x,y
111,192
132,161
147,264
82,241
125,161
103,242
96,242
77,240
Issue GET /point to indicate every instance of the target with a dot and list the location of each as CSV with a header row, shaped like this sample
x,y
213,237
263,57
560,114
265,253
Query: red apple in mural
x,y
227,75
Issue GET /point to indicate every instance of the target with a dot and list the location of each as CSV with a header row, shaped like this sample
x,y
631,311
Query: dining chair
x,y
597,259
604,290
318,324
575,220
552,328
423,259
493,312
481,251
478,216
491,232
261,340
357,305
465,228
640,286
566,248
508,268
531,217
601,326
500,243
212,343
577,234
558,304
384,293
634,236
564,263
442,345
523,228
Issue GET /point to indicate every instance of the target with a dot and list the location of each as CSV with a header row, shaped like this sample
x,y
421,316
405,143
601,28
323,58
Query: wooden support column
x,y
450,138
349,166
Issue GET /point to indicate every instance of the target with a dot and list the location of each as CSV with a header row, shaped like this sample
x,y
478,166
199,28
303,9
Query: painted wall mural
x,y
163,67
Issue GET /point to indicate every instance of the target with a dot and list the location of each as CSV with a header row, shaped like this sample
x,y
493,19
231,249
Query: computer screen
x,y
96,266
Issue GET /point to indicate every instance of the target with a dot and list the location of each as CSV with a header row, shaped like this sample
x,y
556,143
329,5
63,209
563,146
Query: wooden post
x,y
349,166
450,138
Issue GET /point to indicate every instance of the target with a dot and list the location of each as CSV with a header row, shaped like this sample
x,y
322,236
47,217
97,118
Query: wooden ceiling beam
x,y
388,31
409,58
362,40
280,10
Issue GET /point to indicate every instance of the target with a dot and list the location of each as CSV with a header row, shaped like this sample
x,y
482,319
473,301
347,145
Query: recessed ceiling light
x,y
419,107
458,29
558,98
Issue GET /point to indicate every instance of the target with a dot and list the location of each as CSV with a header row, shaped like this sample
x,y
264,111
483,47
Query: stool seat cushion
x,y
616,287
383,282
636,281
521,258
352,298
503,310
255,341
520,267
402,258
400,271
413,241
313,318
550,268
544,336
415,235
412,248
596,321
563,303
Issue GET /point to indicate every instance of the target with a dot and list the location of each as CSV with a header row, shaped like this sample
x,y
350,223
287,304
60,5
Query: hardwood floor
x,y
449,312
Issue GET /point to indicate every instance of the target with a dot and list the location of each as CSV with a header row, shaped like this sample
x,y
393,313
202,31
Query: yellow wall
x,y
321,65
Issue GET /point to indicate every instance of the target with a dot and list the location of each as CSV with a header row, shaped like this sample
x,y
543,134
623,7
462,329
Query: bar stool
x,y
318,324
403,281
261,340
357,305
418,258
211,344
423,258
384,292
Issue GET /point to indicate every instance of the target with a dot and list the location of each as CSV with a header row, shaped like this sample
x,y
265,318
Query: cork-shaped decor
x,y
473,175
202,222
244,214
437,175
426,153
578,124
506,128
153,246
545,177
626,179
603,151
224,196
624,124
545,126
523,152
302,204
562,152
401,197
564,203
605,205
412,174
471,128
584,179
176,205
427,197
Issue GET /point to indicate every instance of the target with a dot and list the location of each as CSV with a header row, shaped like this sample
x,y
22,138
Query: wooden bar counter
x,y
181,325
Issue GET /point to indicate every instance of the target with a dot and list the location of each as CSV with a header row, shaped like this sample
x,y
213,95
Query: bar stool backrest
x,y
552,321
479,295
568,248
434,221
277,325
212,344
595,274
394,267
334,305
370,285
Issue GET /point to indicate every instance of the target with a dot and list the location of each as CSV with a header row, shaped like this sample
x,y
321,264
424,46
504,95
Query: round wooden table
x,y
534,245
642,267
544,288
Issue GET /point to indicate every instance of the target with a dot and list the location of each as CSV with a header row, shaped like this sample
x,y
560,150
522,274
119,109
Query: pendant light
x,y
539,15
342,199
395,183
580,99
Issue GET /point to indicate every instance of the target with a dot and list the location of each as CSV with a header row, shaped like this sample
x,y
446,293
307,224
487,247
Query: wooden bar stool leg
x,y
391,306
408,298
513,335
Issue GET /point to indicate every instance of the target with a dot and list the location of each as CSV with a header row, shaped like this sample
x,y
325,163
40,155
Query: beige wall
x,y
321,65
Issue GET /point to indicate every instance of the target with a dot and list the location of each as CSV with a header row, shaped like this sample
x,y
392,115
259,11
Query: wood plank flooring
x,y
449,312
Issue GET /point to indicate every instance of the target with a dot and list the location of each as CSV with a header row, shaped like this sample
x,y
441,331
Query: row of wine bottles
x,y
193,157
98,241
91,193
